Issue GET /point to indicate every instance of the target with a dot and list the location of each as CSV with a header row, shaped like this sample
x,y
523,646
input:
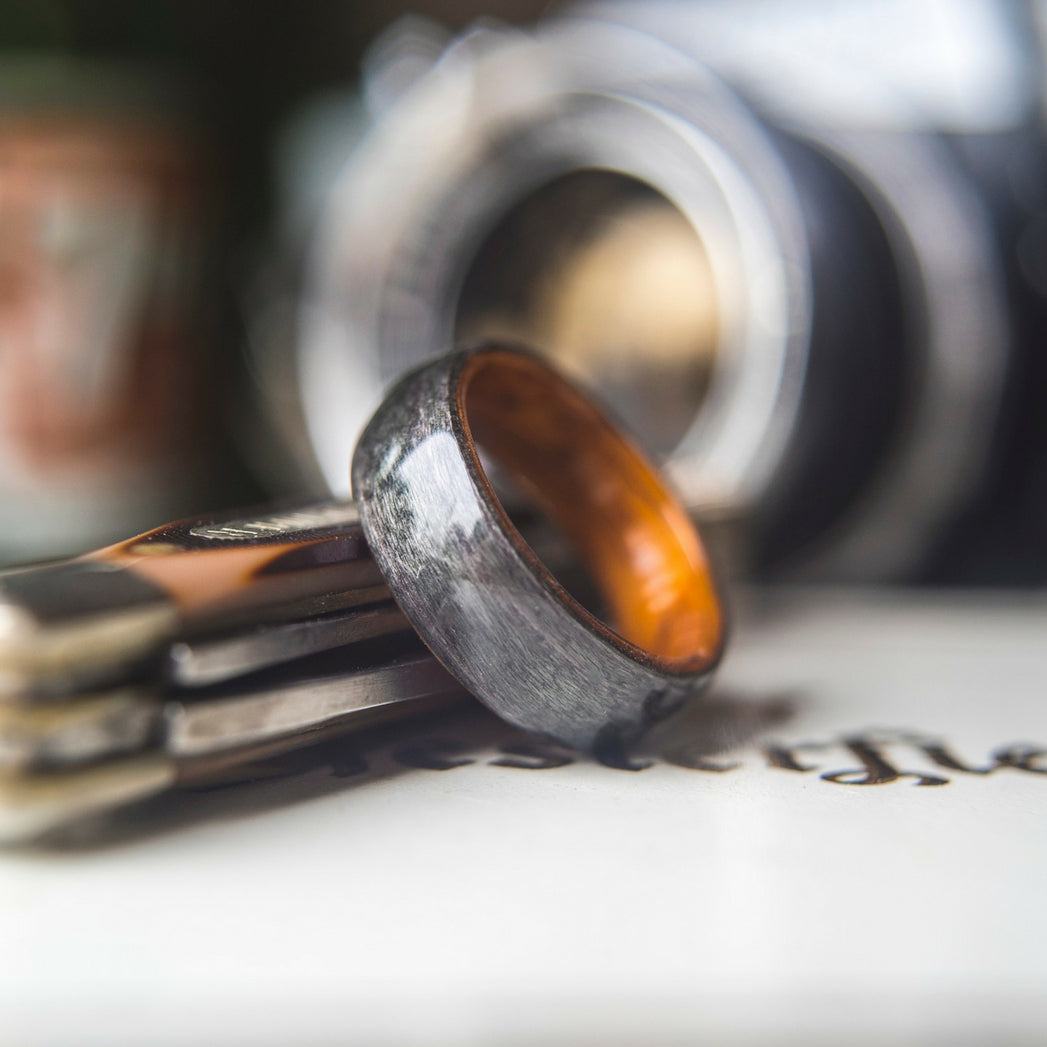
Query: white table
x,y
583,904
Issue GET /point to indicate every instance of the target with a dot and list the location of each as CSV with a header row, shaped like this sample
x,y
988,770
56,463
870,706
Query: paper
x,y
845,843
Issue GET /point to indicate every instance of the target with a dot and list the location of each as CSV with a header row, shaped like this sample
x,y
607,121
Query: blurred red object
x,y
102,238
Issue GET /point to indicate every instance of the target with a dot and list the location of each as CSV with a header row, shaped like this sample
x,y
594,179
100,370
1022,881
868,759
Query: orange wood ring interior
x,y
613,505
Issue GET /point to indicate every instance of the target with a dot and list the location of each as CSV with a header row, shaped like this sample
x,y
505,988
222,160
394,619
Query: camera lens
x,y
608,276
643,232
808,323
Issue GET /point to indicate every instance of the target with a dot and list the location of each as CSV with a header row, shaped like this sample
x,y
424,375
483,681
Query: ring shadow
x,y
698,736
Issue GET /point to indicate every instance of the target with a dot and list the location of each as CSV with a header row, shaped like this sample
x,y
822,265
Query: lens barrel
x,y
821,327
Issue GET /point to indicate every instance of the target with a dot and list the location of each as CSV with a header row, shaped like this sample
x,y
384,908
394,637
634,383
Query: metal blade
x,y
98,620
205,661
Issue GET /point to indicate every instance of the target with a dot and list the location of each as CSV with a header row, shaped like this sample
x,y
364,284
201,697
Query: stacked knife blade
x,y
186,652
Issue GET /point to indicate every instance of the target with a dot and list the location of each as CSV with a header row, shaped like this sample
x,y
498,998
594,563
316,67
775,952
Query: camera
x,y
798,249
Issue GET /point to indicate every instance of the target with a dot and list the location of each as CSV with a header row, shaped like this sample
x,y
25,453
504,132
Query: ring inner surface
x,y
628,528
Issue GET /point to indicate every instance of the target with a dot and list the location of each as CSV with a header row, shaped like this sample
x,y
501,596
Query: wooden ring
x,y
476,592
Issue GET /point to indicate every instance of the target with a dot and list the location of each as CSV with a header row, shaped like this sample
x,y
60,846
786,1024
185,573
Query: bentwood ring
x,y
475,591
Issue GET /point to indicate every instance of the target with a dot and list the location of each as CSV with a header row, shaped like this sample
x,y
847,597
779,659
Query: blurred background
x,y
800,248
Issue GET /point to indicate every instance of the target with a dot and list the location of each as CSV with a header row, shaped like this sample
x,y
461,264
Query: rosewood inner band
x,y
609,500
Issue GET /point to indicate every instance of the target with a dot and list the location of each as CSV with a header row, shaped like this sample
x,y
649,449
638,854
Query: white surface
x,y
584,904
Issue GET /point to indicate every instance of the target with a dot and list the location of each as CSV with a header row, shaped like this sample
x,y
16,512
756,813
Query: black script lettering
x,y
531,756
944,757
433,754
697,762
785,757
1021,757
875,769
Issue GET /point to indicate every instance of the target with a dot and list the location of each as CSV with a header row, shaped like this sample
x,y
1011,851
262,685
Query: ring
x,y
477,594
